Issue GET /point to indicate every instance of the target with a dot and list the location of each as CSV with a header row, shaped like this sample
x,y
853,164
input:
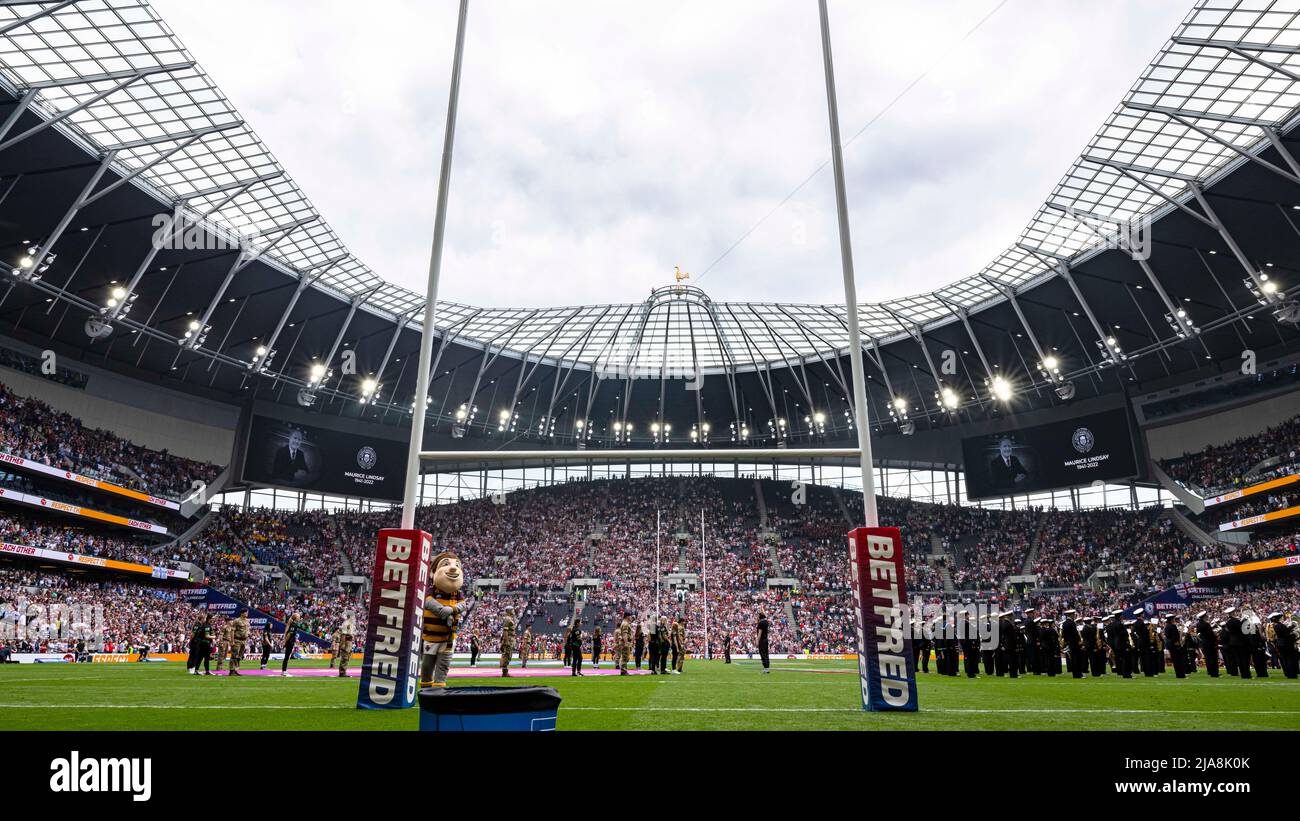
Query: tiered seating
x,y
538,540
1220,468
33,430
134,613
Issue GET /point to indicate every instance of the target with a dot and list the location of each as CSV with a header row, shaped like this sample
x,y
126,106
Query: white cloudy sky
x,y
602,143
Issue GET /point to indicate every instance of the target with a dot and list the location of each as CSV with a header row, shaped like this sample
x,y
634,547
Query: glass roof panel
x,y
120,79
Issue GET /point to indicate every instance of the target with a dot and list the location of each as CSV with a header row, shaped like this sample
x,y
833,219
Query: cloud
x,y
599,144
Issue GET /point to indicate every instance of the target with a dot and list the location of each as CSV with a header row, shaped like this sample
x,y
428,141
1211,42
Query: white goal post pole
x,y
411,495
704,582
850,287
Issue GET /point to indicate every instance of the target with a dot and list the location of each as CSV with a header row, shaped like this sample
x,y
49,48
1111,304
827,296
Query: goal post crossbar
x,y
658,455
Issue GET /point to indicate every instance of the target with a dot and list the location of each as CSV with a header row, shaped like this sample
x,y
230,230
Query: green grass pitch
x,y
797,695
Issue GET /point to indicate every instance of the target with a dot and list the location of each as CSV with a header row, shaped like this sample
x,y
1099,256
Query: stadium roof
x,y
1193,169
117,79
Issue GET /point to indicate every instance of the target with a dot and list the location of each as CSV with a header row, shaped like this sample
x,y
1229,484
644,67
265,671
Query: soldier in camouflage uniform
x,y
223,644
334,649
525,647
508,625
622,645
238,641
678,639
343,640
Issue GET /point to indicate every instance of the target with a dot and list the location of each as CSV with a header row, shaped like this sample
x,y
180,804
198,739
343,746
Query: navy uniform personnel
x,y
1009,638
1049,647
929,631
1174,641
1142,647
1209,643
1132,645
1256,649
622,645
238,641
1120,646
921,650
525,647
1237,648
1225,652
1284,637
952,638
968,637
1094,646
508,626
1032,661
1157,644
1070,638
345,636
1270,636
988,655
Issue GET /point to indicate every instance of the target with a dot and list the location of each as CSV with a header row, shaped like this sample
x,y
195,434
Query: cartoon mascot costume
x,y
444,610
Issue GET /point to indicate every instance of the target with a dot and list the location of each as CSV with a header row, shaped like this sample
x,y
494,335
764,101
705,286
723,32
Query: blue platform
x,y
488,709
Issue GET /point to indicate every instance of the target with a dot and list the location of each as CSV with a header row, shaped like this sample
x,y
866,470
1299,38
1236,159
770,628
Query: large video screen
x,y
303,457
1072,452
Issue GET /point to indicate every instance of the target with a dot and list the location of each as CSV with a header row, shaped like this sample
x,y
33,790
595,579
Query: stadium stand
x,y
134,614
537,542
1240,463
33,430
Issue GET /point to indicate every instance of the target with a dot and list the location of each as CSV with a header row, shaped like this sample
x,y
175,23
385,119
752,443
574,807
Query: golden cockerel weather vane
x,y
681,275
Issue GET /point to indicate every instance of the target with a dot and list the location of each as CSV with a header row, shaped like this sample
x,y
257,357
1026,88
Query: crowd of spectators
x,y
36,531
1220,468
1287,544
534,544
1073,546
33,430
1252,506
113,615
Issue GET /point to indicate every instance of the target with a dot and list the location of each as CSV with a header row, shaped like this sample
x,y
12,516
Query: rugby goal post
x,y
416,456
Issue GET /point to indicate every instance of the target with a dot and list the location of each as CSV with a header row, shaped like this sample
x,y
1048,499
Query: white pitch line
x,y
4,681
648,709
179,706
923,710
